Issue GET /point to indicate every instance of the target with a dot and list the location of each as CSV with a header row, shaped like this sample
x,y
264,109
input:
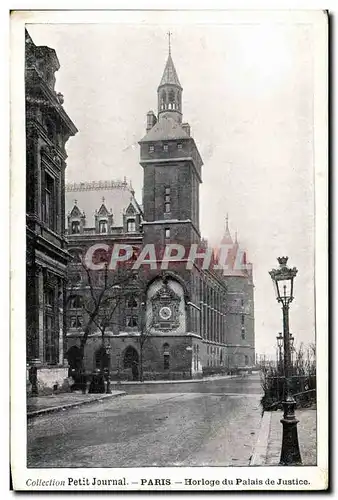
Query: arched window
x,y
163,99
171,96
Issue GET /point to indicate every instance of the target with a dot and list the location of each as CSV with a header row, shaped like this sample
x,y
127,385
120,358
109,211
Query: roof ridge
x,y
97,185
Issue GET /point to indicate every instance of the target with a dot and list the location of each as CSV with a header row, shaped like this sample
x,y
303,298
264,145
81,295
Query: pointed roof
x,y
169,75
165,129
227,239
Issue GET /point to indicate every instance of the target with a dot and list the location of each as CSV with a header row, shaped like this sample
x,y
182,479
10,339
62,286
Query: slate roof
x,y
164,130
90,196
169,74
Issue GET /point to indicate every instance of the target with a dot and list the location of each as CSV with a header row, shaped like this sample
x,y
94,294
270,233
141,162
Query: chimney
x,y
186,128
151,120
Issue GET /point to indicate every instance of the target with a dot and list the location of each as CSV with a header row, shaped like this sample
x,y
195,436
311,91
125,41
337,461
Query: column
x,y
41,319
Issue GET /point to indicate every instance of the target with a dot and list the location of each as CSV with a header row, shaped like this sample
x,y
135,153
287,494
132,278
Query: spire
x,y
169,74
169,34
227,239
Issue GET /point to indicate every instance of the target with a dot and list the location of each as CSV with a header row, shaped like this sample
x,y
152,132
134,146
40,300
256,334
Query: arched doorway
x,y
131,360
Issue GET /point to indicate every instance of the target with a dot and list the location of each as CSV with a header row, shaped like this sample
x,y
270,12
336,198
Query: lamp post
x,y
292,349
280,342
283,278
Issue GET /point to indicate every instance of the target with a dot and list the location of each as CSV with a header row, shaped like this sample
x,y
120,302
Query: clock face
x,y
165,312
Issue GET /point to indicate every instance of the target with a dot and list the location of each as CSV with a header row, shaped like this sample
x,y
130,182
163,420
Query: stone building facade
x,y
48,127
186,317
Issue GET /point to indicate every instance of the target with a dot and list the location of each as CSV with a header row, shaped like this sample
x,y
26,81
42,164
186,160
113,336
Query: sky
x,y
248,92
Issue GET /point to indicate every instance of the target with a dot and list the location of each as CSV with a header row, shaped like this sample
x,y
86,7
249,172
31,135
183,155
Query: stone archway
x,y
131,360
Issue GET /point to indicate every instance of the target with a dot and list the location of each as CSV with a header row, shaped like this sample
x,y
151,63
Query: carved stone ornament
x,y
165,306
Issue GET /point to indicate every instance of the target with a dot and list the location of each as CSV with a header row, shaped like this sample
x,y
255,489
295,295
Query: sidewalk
x,y
46,404
268,447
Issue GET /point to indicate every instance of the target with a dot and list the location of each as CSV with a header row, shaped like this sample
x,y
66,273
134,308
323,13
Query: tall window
x,y
75,301
243,327
167,200
49,201
131,226
167,233
132,312
103,226
75,227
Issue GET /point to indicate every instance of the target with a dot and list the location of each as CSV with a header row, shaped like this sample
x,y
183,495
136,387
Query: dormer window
x,y
131,226
151,149
75,227
103,226
165,147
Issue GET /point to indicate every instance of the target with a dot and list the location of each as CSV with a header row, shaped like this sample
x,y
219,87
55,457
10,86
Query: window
x,y
49,201
166,361
75,321
132,303
246,360
131,226
103,226
151,149
51,351
75,227
167,200
242,319
49,297
179,145
75,301
165,147
167,233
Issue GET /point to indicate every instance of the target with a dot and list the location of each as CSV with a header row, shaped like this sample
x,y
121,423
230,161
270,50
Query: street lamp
x,y
280,342
292,349
283,281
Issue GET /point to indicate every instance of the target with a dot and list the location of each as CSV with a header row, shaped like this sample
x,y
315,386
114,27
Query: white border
x,y
317,475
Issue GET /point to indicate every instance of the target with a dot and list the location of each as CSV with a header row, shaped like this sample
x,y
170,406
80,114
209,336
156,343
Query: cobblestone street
x,y
207,423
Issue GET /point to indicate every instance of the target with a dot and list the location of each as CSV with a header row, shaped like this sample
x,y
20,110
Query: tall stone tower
x,y
172,169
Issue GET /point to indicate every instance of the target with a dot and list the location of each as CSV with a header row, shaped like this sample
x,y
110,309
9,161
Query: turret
x,y
170,92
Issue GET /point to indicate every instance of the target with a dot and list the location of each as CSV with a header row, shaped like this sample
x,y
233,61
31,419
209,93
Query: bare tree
x,y
98,296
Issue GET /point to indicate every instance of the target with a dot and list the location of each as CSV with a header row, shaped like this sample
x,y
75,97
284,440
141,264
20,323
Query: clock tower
x,y
172,169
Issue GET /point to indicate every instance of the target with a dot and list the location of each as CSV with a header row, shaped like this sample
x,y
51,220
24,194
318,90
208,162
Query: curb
x,y
261,447
52,409
187,381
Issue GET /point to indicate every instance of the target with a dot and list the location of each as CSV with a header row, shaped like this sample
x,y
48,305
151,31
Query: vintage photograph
x,y
171,232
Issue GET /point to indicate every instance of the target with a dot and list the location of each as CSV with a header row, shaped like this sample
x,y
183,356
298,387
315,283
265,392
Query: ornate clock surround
x,y
165,307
